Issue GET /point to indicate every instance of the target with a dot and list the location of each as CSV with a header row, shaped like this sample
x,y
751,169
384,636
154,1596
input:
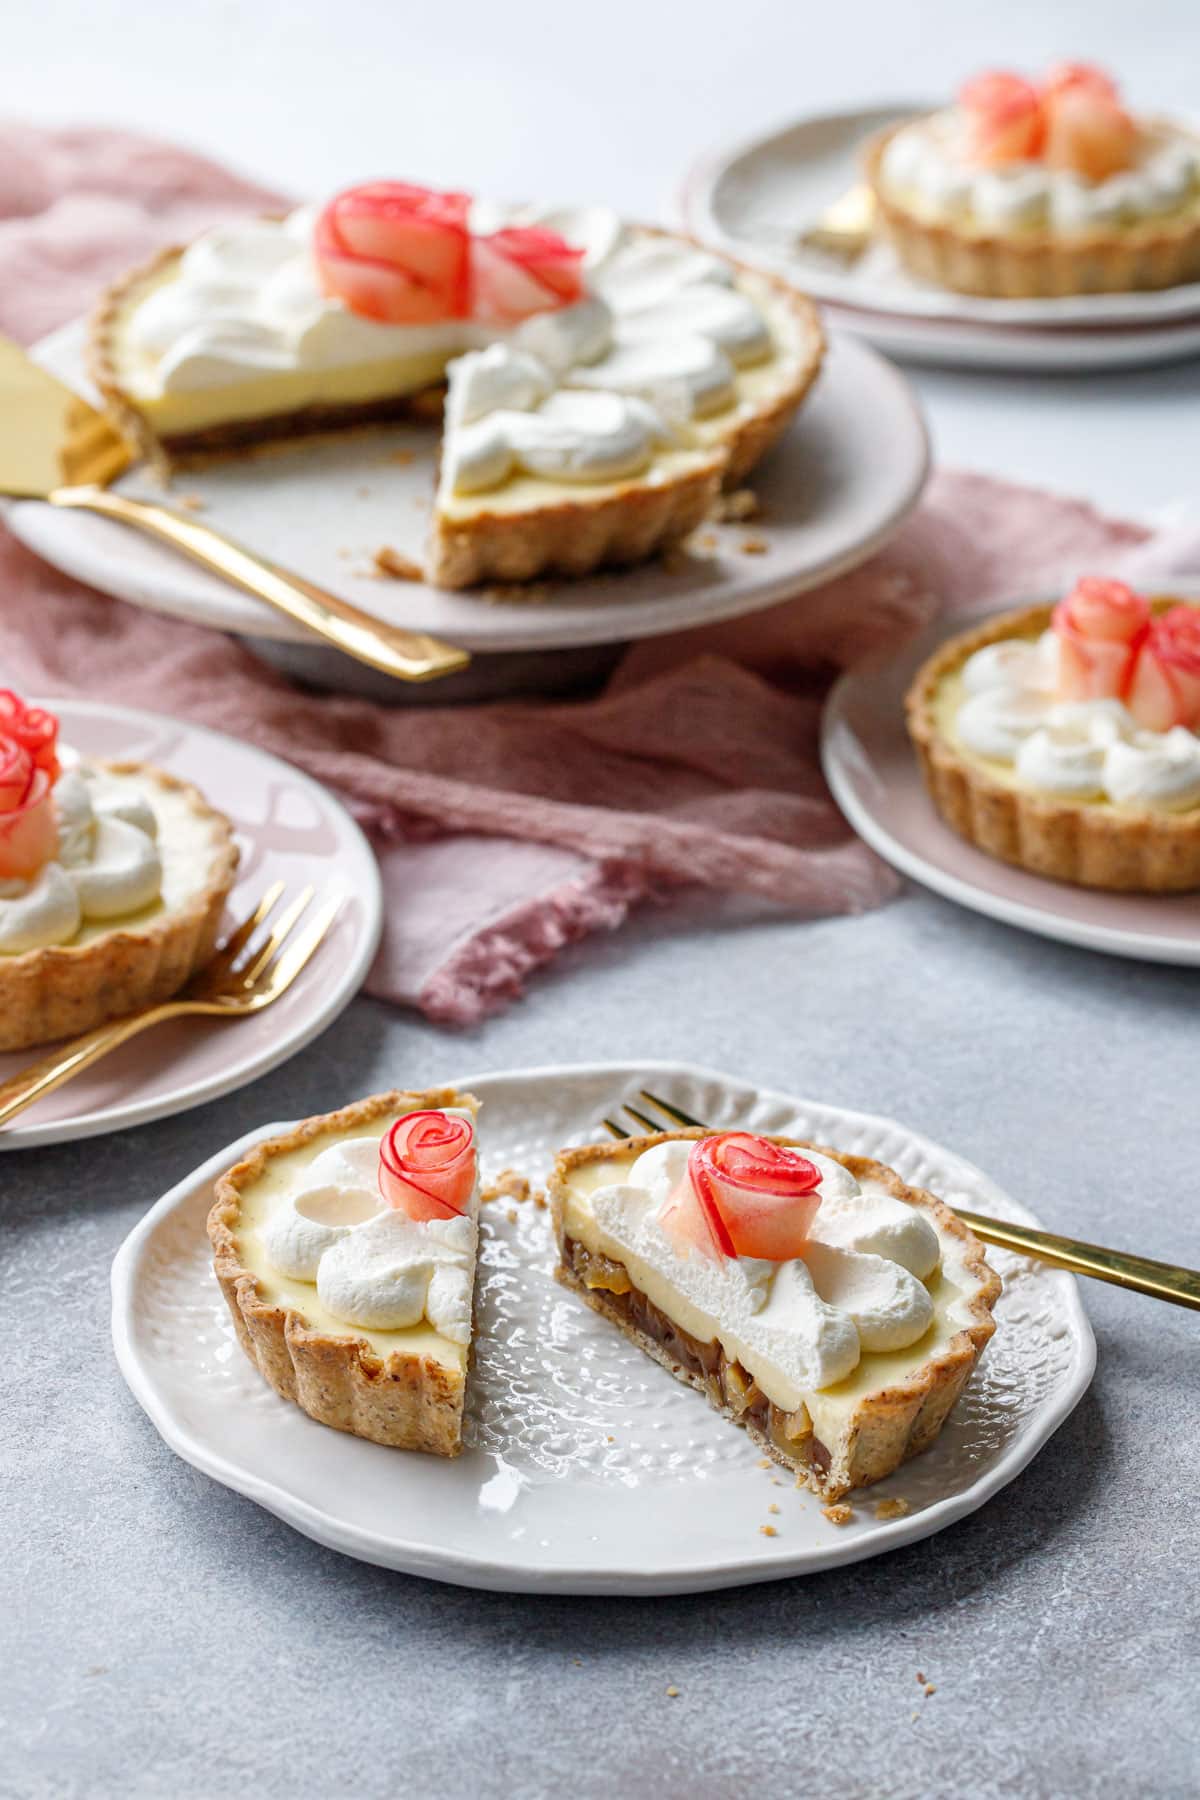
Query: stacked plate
x,y
755,200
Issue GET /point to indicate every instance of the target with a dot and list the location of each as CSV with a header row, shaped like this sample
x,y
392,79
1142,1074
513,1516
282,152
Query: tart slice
x,y
818,1301
1066,739
346,1253
605,380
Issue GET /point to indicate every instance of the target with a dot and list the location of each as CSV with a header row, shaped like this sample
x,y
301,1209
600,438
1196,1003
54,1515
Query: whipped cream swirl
x,y
372,1265
927,164
108,864
1080,749
796,1326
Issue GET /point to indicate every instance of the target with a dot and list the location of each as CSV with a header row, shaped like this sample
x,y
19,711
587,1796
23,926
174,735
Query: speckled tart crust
x,y
407,1401
66,989
640,519
1088,843
1035,263
884,1429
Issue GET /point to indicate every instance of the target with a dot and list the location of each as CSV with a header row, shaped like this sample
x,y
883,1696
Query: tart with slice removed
x,y
604,381
815,1298
345,1250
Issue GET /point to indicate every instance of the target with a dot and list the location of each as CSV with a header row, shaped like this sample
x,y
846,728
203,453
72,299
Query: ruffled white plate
x,y
748,197
589,1470
289,828
873,771
847,473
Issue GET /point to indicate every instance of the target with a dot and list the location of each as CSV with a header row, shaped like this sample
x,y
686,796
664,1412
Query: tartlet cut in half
x,y
113,879
1066,739
601,382
345,1250
817,1300
1035,189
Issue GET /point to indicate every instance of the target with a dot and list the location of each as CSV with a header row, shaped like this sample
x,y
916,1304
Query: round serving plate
x,y
288,828
750,198
588,1469
846,474
876,780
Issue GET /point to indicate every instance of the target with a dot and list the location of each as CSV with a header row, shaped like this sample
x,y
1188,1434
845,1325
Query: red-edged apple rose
x,y
522,271
396,253
1088,131
1165,689
427,1165
33,727
1100,627
744,1196
1004,117
28,765
1079,75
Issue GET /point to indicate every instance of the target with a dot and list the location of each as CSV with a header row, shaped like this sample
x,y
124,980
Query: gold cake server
x,y
57,448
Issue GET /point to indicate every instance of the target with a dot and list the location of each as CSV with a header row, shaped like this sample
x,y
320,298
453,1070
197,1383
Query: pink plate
x,y
289,829
873,772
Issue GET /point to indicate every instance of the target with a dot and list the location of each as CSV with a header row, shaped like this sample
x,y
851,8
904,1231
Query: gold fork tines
x,y
1139,1274
228,987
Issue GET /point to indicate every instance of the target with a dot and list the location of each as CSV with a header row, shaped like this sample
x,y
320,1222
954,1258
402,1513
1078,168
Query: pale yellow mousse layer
x,y
950,1288
187,845
259,1200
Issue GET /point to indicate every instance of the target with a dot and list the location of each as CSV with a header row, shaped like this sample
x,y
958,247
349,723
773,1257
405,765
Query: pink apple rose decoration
x,y
743,1196
427,1165
1073,120
396,253
1100,627
28,767
1165,687
522,271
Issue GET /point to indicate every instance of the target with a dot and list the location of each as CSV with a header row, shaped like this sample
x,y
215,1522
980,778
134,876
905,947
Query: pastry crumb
x,y
764,1462
891,1509
508,1185
672,1693
768,1531
754,546
610,1439
402,457
192,502
839,1513
708,540
920,1679
772,1508
539,1199
511,1215
400,568
364,493
737,507
929,1689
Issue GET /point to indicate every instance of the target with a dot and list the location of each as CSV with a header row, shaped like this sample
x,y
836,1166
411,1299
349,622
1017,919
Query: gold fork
x,y
237,981
1140,1274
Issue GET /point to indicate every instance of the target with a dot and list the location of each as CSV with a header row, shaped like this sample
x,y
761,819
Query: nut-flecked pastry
x,y
604,381
1026,190
1067,739
113,878
816,1299
345,1250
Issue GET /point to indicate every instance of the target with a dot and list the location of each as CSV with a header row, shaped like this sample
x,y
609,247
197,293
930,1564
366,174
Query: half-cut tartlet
x,y
113,879
816,1299
346,1252
604,380
1066,740
1026,190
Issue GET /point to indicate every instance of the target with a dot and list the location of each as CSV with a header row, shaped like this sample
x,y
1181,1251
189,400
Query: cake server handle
x,y
407,655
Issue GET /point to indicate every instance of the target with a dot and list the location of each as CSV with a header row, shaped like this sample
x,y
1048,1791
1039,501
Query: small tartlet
x,y
405,1400
883,1429
1088,843
63,990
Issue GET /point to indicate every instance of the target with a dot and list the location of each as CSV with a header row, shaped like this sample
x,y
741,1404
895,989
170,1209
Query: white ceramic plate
x,y
749,198
288,828
847,472
872,769
589,1469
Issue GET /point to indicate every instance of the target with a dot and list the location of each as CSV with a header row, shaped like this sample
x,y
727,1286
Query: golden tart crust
x,y
1091,844
63,990
408,1401
1035,263
620,524
883,1430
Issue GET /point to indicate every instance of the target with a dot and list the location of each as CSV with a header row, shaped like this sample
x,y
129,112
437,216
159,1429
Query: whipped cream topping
x,y
796,1326
927,162
1081,749
588,392
371,1264
108,864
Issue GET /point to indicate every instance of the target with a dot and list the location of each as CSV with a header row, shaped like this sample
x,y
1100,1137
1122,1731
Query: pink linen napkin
x,y
508,831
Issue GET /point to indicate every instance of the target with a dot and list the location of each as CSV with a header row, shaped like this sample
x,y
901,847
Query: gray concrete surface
x,y
161,1636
